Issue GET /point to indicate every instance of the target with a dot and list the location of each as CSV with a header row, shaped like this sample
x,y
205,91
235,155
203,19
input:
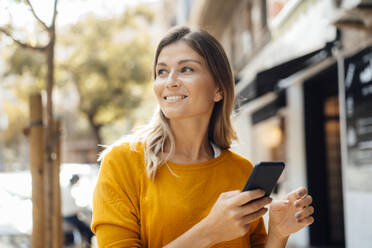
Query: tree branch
x,y
54,14
22,44
35,15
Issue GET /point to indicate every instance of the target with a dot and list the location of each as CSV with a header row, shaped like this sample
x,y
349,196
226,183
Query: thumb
x,y
279,205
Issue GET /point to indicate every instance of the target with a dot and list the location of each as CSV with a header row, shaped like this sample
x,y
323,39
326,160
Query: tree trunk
x,y
96,128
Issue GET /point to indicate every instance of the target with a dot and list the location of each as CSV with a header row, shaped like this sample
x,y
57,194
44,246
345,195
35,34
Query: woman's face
x,y
184,86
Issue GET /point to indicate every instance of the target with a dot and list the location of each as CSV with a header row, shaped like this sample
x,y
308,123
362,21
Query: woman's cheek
x,y
157,89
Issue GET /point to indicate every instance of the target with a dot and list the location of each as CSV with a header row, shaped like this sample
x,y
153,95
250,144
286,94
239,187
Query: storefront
x,y
296,115
293,117
294,103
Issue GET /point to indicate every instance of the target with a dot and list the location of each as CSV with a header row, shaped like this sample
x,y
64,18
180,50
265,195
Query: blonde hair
x,y
157,133
154,137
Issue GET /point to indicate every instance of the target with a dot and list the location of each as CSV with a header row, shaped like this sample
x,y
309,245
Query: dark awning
x,y
270,109
267,81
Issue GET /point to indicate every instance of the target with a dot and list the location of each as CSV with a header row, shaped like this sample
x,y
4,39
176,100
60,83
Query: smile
x,y
174,98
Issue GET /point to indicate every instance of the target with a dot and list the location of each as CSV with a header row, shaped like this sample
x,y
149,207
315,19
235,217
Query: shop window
x,y
269,142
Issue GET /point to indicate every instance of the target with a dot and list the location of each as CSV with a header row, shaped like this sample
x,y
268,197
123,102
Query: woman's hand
x,y
290,215
230,216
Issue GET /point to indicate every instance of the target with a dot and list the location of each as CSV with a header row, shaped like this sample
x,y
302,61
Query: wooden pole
x,y
37,170
57,215
48,197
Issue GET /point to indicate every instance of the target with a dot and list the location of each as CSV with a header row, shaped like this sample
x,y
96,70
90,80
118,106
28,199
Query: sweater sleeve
x,y
115,219
259,235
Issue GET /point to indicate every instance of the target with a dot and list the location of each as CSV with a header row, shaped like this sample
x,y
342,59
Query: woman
x,y
175,183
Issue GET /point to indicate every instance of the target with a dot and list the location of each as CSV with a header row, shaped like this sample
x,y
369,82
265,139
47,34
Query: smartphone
x,y
264,176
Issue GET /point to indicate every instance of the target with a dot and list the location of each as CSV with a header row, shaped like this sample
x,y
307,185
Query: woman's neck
x,y
191,138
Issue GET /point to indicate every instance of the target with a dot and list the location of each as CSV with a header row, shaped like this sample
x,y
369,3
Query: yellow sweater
x,y
130,210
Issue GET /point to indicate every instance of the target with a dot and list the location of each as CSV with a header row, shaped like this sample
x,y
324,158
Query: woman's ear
x,y
218,96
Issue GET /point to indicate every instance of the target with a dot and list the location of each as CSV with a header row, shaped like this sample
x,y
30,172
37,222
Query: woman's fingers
x,y
254,206
247,196
250,203
297,194
303,202
305,213
253,216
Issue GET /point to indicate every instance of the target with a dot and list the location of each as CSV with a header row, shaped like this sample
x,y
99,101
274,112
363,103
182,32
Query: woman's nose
x,y
172,80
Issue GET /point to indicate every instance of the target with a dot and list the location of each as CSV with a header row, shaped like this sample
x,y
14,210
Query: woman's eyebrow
x,y
189,60
161,64
180,62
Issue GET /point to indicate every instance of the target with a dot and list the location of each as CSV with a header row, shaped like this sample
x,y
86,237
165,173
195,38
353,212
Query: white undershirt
x,y
216,150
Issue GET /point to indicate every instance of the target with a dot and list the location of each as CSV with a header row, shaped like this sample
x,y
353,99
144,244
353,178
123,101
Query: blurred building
x,y
304,89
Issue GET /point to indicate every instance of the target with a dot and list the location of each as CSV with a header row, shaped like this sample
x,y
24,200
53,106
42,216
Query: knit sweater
x,y
131,210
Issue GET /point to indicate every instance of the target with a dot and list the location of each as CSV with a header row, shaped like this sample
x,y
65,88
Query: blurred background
x,y
303,75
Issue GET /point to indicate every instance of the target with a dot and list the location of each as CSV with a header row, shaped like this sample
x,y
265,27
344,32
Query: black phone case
x,y
264,176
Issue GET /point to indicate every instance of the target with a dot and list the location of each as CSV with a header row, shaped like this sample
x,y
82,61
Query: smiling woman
x,y
184,86
175,183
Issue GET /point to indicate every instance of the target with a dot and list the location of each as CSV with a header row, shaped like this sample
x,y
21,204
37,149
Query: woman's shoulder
x,y
125,145
123,156
238,159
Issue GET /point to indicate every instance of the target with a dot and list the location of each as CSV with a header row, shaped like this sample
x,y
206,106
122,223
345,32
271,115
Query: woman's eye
x,y
187,69
161,72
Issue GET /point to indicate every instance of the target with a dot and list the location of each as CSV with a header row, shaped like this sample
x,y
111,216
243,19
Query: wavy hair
x,y
157,133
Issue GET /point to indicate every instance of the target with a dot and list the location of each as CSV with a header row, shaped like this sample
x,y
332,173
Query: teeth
x,y
174,98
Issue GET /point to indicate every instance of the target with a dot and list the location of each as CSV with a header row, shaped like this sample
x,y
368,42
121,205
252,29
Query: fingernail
x,y
286,202
298,215
300,193
297,204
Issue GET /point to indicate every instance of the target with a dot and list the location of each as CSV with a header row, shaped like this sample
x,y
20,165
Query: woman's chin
x,y
171,115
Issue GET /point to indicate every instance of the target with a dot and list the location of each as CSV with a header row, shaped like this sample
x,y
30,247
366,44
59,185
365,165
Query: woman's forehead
x,y
178,51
